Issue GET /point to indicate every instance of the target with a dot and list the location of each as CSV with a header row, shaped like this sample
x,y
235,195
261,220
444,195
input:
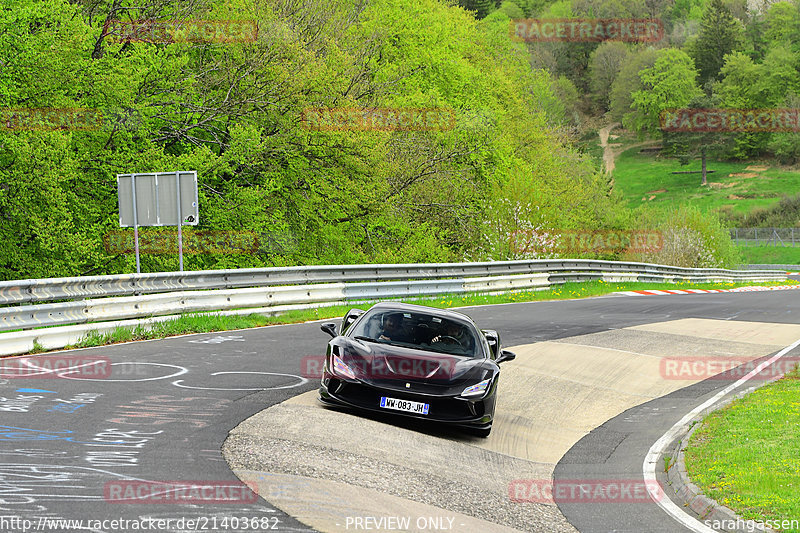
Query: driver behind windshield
x,y
393,328
452,333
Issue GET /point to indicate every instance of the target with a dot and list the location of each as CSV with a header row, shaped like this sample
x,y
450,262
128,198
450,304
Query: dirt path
x,y
612,151
608,151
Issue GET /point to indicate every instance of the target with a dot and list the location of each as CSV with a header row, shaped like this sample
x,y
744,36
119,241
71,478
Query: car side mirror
x,y
329,328
493,340
505,355
351,317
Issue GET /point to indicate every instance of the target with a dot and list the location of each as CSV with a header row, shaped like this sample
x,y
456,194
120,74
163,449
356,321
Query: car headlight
x,y
478,389
339,367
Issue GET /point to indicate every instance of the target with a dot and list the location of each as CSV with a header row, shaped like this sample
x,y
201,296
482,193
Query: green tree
x,y
720,34
527,6
780,74
511,10
786,145
782,23
481,8
686,10
740,83
568,99
688,145
739,88
605,64
670,83
628,82
611,8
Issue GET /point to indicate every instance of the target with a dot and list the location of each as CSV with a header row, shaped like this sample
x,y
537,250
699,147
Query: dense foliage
x,y
720,55
233,111
742,55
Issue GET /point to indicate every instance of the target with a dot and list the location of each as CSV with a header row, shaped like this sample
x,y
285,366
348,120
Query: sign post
x,y
135,224
158,199
180,222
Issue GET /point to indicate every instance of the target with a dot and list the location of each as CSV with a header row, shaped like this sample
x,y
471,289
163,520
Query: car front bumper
x,y
471,413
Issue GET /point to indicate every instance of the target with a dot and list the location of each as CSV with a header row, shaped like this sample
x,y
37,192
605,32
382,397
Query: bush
x,y
786,147
784,214
690,238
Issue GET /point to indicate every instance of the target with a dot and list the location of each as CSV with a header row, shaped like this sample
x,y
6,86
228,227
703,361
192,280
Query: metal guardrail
x,y
53,289
364,282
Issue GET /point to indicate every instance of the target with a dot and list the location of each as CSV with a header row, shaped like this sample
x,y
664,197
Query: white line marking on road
x,y
302,381
220,338
650,461
181,370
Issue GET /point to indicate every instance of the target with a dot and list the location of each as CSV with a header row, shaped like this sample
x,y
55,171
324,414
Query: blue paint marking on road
x,y
36,390
12,433
65,408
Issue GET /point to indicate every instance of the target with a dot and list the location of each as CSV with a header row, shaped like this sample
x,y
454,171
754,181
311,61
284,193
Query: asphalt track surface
x,y
159,411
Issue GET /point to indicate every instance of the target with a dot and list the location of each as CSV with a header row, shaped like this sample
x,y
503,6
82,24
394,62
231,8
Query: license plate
x,y
408,406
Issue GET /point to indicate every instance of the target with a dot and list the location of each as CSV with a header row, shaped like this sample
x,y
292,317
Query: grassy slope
x,y
638,176
776,255
745,455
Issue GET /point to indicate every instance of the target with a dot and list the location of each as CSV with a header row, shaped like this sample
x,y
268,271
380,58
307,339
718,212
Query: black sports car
x,y
415,361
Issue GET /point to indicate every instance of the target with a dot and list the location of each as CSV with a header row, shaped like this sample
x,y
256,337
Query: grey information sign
x,y
158,199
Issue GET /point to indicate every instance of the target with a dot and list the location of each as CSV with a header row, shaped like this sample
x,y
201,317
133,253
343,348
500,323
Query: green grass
x,y
591,148
745,456
776,255
638,176
209,322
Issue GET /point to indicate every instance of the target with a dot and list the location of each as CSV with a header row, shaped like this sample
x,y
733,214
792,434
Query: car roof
x,y
412,308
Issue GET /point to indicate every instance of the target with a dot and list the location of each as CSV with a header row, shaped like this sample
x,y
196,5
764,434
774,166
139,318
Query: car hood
x,y
385,365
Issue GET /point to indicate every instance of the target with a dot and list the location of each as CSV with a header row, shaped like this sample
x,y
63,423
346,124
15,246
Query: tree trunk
x,y
703,159
97,52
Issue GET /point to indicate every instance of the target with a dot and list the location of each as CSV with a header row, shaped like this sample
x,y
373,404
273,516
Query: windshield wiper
x,y
363,338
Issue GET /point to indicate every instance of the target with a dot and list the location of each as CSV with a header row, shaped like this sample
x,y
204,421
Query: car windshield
x,y
418,330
